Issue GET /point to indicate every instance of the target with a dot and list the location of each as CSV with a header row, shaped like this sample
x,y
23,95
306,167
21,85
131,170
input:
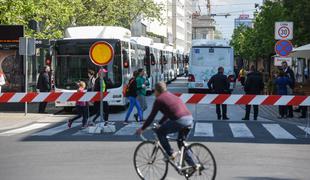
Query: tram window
x,y
125,58
152,59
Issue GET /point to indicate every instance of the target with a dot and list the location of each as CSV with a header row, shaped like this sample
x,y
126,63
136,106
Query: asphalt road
x,y
255,150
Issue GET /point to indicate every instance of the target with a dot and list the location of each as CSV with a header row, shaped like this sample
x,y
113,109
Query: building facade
x,y
203,27
176,30
245,20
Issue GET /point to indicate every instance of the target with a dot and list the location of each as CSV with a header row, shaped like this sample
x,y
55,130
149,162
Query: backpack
x,y
131,88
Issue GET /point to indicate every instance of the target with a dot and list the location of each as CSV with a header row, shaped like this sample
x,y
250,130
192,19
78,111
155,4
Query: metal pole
x,y
101,95
308,121
26,74
196,115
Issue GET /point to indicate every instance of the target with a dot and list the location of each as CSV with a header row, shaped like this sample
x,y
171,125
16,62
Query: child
x,y
81,107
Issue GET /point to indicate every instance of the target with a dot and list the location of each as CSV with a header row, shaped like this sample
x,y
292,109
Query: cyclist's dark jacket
x,y
170,105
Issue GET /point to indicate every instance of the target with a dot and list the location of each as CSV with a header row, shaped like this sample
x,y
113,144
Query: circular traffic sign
x,y
283,48
101,53
284,32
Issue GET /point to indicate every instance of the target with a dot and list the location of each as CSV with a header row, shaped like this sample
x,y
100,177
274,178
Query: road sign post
x,y
26,48
101,53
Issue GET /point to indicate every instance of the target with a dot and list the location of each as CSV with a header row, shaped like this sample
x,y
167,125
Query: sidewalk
x,y
15,120
272,112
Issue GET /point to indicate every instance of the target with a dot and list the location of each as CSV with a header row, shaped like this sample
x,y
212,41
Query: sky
x,y
234,7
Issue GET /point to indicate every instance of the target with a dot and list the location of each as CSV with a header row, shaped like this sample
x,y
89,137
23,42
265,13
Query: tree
x,y
56,15
298,11
262,36
218,34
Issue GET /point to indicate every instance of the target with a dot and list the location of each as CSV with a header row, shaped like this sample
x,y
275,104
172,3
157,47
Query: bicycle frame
x,y
178,166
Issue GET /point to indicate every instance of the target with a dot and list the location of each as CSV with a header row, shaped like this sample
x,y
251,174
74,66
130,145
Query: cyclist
x,y
175,118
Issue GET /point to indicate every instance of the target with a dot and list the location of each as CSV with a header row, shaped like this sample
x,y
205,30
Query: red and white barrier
x,y
50,97
244,99
186,98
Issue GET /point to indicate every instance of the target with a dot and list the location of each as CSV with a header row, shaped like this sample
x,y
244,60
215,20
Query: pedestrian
x,y
81,108
142,84
254,85
282,82
242,75
219,84
131,94
91,80
2,80
236,72
106,108
290,74
90,87
43,85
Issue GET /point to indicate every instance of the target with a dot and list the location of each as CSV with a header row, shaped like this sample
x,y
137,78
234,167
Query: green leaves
x,y
259,41
56,15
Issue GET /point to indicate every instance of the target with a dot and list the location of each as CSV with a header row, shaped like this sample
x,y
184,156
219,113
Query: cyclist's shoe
x,y
174,155
198,167
125,122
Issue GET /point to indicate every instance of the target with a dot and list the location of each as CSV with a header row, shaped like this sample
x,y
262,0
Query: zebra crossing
x,y
202,130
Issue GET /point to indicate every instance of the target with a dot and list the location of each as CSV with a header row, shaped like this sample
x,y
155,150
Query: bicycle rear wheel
x,y
150,162
205,158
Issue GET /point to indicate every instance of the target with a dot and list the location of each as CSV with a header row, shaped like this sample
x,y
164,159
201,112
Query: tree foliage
x,y
56,15
258,42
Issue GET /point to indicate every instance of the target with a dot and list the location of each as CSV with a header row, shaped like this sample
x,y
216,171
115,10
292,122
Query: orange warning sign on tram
x,y
101,53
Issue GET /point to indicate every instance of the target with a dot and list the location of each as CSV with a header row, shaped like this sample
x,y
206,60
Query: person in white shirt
x,y
2,80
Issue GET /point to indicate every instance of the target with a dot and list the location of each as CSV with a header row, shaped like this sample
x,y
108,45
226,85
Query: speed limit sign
x,y
283,30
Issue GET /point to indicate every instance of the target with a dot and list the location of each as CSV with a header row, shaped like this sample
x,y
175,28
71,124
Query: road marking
x,y
306,129
81,132
204,129
129,129
24,129
278,132
56,130
240,130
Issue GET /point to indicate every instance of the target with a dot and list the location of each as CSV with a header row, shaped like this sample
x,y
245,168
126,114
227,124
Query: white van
x,y
206,56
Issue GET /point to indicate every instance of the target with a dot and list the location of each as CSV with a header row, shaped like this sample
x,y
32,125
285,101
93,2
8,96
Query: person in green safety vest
x,y
105,103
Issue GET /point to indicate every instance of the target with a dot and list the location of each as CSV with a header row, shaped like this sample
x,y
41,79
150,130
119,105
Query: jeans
x,y
171,126
42,107
83,112
248,110
106,110
283,111
224,111
134,103
142,101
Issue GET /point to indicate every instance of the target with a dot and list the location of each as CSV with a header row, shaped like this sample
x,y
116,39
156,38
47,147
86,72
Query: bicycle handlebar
x,y
153,128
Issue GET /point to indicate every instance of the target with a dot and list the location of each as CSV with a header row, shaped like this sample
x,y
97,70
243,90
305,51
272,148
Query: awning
x,y
301,52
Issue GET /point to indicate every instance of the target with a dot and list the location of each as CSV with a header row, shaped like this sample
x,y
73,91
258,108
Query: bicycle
x,y
151,161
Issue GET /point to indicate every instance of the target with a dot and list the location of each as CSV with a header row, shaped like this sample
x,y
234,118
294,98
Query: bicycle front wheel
x,y
206,160
150,162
